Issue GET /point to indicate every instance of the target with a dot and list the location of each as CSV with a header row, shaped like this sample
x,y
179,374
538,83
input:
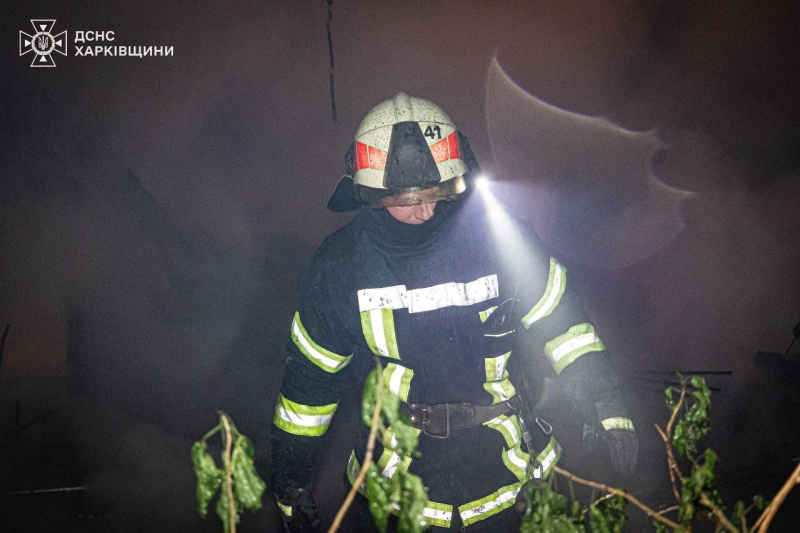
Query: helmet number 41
x,y
429,132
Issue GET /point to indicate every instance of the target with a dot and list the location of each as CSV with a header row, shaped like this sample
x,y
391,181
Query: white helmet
x,y
406,151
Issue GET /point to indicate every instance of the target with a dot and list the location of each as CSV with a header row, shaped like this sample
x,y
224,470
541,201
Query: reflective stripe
x,y
452,294
618,422
517,461
286,510
497,383
484,315
490,505
382,298
429,298
438,514
577,341
378,328
547,459
325,359
508,426
556,284
353,469
398,379
304,420
390,461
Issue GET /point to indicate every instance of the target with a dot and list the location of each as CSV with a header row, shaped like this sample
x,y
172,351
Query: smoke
x,y
158,212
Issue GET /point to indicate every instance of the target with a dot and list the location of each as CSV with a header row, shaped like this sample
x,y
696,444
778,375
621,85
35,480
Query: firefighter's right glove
x,y
299,511
616,429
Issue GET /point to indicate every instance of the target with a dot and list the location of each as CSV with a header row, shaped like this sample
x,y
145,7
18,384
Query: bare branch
x,y
617,492
668,510
228,481
769,513
376,419
721,518
672,466
676,409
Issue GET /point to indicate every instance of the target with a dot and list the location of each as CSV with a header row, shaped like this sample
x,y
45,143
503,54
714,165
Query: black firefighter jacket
x,y
420,297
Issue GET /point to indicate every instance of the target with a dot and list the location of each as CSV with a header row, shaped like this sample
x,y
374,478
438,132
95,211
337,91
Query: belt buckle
x,y
426,411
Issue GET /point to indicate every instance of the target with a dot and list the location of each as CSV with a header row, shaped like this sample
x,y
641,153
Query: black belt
x,y
438,420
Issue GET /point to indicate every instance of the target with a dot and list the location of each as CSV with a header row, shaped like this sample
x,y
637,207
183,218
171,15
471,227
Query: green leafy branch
x,y
695,490
403,494
243,486
698,495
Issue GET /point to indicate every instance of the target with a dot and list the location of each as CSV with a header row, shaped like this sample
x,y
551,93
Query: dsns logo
x,y
43,43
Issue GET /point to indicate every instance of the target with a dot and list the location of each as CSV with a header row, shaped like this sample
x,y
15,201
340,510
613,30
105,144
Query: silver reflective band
x,y
399,380
573,344
325,359
438,514
520,462
569,346
547,459
429,298
304,420
618,422
490,505
556,284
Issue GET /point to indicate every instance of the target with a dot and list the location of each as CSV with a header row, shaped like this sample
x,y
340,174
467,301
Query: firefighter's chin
x,y
413,214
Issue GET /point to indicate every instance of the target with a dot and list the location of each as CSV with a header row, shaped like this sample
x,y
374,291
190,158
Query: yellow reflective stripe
x,y
286,510
304,420
353,469
325,359
547,459
497,383
517,461
398,379
390,461
508,426
617,422
436,514
490,505
556,284
484,315
378,328
577,341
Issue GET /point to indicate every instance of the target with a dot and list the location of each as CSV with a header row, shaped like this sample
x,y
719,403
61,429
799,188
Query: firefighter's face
x,y
413,214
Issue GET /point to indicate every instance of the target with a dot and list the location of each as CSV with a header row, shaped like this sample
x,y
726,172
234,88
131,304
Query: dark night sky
x,y
155,212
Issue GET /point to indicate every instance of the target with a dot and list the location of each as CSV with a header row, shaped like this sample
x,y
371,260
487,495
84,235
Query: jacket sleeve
x,y
320,352
555,321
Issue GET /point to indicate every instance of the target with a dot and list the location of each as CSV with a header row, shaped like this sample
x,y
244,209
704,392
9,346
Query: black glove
x,y
299,511
616,429
624,448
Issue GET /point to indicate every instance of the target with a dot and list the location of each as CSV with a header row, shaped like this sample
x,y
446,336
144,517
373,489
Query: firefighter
x,y
422,279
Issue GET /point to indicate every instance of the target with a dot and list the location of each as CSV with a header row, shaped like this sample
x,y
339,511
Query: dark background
x,y
155,214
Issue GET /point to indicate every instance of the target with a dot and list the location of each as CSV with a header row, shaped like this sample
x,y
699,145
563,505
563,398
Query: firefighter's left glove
x,y
616,429
299,511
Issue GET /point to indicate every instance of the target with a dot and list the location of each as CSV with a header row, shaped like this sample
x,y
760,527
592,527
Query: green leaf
x,y
379,490
760,502
369,398
413,500
407,438
546,512
209,477
248,487
608,516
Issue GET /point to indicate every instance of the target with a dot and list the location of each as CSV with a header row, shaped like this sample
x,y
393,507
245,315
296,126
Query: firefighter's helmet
x,y
406,151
